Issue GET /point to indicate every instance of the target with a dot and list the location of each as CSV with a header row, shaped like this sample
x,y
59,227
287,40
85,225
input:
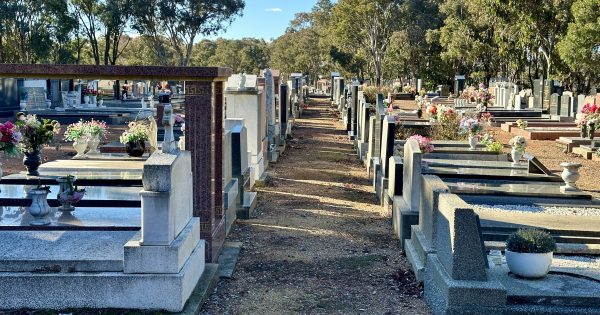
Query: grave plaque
x,y
534,166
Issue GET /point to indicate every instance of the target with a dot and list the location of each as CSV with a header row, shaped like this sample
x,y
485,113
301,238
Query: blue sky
x,y
265,19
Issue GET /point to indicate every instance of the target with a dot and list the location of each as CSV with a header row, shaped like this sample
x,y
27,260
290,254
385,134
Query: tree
x,y
181,21
580,48
367,25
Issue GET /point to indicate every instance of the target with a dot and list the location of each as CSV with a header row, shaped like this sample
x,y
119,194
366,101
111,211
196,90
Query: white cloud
x,y
273,10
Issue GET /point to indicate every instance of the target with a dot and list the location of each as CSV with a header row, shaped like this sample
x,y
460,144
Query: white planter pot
x,y
23,105
92,143
528,265
86,99
94,99
80,146
473,141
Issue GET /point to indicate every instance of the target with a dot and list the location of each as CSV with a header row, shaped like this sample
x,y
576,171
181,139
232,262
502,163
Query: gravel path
x,y
319,244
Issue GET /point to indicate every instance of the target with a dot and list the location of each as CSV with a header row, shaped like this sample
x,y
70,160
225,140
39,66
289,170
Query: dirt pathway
x,y
319,243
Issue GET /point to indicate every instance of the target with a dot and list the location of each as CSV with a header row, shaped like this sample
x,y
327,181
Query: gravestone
x,y
231,196
283,110
547,92
354,111
565,105
554,104
240,167
538,93
244,100
578,104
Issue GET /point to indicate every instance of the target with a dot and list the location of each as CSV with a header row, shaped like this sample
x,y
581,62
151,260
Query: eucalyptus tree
x,y
580,48
366,25
182,21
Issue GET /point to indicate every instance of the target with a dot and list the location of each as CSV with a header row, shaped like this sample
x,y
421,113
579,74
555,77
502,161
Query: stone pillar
x,y
204,115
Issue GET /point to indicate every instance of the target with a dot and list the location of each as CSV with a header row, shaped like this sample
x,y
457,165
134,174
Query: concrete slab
x,y
100,166
63,251
229,258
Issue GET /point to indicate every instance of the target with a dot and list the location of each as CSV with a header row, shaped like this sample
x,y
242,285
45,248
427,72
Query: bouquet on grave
x,y
95,128
471,127
75,131
137,132
518,143
424,143
9,143
35,133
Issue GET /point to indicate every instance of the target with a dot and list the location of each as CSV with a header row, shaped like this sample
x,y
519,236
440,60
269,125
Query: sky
x,y
265,19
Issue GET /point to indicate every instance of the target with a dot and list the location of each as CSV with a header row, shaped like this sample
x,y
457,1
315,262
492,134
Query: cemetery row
x,y
485,231
138,224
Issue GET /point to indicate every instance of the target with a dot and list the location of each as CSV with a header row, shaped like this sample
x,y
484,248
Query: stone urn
x,y
80,145
473,141
32,161
92,143
570,175
516,156
86,100
101,103
94,100
39,208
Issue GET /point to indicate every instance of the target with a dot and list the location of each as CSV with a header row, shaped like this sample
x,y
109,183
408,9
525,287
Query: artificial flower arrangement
x,y
432,111
518,143
137,132
95,128
444,112
9,143
424,143
522,124
589,111
90,92
486,119
72,194
471,127
75,131
35,133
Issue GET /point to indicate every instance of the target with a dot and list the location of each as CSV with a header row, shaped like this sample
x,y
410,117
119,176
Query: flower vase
x,y
39,208
23,105
181,143
93,142
32,161
570,175
591,131
101,103
473,141
584,132
516,156
80,145
66,206
94,100
135,148
86,100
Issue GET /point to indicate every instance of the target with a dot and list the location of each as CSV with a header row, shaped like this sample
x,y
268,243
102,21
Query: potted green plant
x,y
529,253
135,138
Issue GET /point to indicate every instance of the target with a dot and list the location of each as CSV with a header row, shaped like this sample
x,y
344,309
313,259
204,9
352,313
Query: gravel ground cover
x,y
581,211
319,243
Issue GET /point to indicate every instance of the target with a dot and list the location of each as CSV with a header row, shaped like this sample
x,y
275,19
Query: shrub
x,y
531,241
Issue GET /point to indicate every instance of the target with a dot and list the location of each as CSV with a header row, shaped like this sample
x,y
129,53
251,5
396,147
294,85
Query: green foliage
x,y
531,241
580,48
495,146
447,127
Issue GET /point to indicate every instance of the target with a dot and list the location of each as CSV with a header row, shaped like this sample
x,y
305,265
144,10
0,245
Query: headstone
x,y
565,105
283,109
547,92
538,93
387,143
554,104
354,111
244,100
459,84
411,191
